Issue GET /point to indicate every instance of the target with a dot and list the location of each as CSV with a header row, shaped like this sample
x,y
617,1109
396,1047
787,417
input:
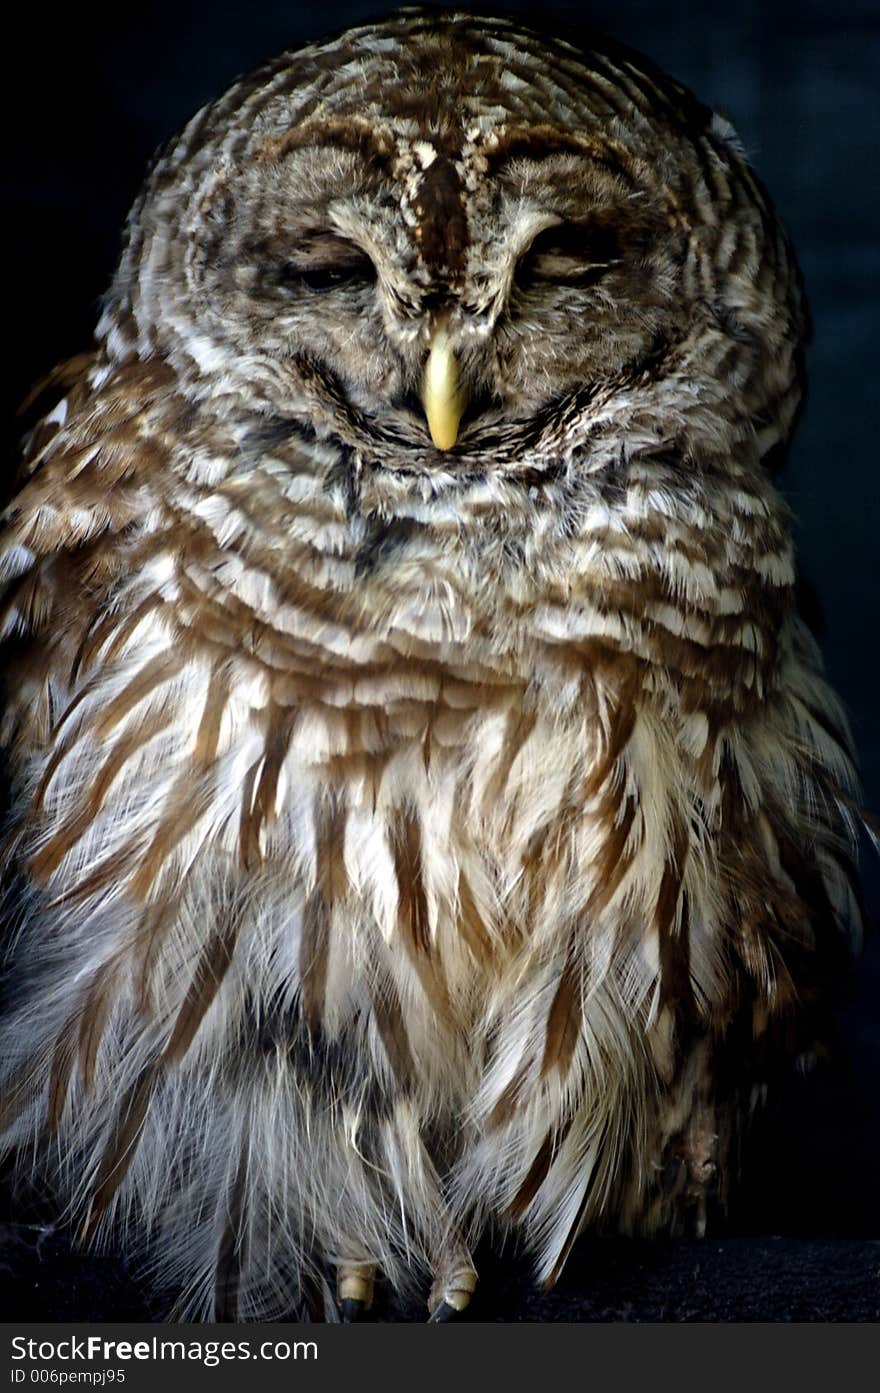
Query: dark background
x,y
90,92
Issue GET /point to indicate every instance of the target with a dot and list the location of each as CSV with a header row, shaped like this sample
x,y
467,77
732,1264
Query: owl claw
x,y
442,1312
354,1290
351,1310
451,1294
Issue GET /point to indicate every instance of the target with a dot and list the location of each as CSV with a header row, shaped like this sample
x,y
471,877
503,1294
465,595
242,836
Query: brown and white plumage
x,y
412,840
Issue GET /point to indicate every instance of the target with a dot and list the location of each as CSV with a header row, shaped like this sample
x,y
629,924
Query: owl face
x,y
566,278
467,250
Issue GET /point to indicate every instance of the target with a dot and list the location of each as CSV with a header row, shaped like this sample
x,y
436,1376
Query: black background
x,y
90,92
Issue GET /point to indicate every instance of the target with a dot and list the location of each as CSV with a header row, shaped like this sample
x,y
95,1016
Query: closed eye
x,y
576,254
324,263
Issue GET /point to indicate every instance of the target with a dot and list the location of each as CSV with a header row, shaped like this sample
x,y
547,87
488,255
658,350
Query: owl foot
x,y
354,1289
451,1293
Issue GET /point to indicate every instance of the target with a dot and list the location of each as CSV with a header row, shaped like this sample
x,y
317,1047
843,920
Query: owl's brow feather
x,y
543,142
348,133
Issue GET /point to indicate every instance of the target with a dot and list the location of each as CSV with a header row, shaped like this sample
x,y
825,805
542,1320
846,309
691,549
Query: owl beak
x,y
443,396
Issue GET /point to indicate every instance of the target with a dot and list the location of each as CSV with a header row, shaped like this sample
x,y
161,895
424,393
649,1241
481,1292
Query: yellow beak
x,y
443,397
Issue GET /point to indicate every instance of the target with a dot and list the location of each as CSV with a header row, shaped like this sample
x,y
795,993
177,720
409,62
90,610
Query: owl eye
x,y
575,254
325,265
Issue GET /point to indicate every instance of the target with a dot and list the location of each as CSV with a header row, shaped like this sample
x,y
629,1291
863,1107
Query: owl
x,y
429,819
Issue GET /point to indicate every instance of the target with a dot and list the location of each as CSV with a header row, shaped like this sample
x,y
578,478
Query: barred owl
x,y
429,818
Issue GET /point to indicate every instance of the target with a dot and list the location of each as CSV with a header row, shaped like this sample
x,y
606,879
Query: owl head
x,y
455,245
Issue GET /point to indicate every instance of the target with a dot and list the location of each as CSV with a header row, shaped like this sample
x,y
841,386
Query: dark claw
x,y
442,1312
351,1310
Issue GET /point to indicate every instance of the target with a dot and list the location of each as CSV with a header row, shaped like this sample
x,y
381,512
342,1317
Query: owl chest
x,y
457,839
444,828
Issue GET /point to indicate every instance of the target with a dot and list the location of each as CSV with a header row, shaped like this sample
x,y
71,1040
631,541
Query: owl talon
x,y
443,1312
354,1289
450,1295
